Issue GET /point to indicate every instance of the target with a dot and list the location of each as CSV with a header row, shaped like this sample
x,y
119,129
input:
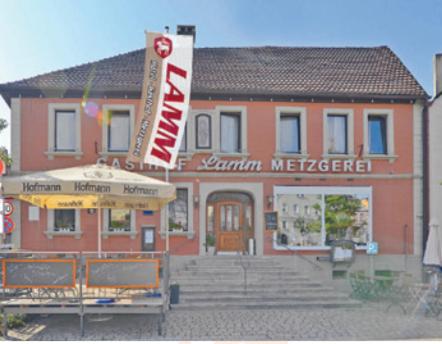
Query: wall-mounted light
x,y
196,201
269,201
92,211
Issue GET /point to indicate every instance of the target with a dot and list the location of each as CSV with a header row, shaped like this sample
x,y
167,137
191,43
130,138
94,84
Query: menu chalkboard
x,y
271,219
39,273
122,273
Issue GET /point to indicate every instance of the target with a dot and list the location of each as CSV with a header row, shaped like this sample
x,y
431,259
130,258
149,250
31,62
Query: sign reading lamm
x,y
165,100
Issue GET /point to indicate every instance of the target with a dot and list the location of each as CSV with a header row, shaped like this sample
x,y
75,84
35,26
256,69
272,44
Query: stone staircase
x,y
243,282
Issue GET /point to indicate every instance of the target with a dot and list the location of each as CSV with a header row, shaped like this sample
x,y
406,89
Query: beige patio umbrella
x,y
92,186
433,251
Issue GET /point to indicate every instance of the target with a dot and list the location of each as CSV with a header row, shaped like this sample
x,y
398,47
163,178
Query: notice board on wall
x,y
271,220
122,273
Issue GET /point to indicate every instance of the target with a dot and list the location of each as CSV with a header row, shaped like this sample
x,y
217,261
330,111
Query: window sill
x,y
204,150
189,235
116,154
50,234
277,247
232,155
106,234
338,156
279,155
390,157
185,155
52,154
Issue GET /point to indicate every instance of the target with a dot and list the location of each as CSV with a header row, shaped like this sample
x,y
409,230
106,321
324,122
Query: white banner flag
x,y
165,100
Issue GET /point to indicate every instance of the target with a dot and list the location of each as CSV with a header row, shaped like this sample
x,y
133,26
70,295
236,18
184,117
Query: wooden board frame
x,y
17,260
126,286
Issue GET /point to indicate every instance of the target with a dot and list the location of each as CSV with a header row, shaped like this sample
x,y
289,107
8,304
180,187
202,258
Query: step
x,y
251,285
186,290
239,280
268,305
237,269
236,272
271,297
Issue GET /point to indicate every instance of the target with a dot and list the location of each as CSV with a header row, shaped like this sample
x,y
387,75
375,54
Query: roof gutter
x,y
8,93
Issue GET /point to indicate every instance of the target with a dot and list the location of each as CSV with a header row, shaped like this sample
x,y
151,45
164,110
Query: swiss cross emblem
x,y
162,46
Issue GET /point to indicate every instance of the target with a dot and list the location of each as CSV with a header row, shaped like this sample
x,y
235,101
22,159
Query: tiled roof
x,y
249,72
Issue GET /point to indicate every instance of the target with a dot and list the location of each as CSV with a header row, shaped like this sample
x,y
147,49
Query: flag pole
x,y
167,215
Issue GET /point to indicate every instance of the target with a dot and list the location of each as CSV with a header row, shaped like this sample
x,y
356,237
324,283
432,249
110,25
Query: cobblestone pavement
x,y
321,324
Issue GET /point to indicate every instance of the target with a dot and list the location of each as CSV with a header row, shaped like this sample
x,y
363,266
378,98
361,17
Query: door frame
x,y
255,190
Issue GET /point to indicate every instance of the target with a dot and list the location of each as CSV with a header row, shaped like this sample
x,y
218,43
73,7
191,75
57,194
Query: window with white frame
x,y
63,221
289,133
178,211
338,132
119,220
337,139
203,129
378,133
64,129
291,130
118,129
330,213
230,132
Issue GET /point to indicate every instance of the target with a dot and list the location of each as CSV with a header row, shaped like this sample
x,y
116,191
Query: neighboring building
x,y
334,135
435,145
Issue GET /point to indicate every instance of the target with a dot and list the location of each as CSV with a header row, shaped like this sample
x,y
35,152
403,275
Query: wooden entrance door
x,y
229,226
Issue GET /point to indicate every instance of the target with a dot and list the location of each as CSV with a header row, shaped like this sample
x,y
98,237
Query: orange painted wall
x,y
392,198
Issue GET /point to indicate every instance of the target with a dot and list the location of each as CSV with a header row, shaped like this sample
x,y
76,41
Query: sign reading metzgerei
x,y
165,100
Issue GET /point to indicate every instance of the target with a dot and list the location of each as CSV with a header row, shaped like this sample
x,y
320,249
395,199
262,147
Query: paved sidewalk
x,y
367,323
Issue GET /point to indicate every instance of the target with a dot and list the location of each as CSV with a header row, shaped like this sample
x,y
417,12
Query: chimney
x,y
188,30
437,74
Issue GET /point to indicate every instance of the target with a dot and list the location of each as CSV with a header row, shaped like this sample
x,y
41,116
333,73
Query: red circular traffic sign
x,y
8,208
8,224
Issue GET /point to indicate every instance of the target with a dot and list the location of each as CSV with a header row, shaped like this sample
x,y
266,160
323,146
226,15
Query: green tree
x,y
3,151
340,213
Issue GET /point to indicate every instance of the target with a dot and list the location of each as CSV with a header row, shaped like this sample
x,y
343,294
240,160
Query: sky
x,y
39,36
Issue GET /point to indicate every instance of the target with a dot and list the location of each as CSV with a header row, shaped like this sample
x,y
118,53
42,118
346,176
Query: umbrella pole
x,y
99,232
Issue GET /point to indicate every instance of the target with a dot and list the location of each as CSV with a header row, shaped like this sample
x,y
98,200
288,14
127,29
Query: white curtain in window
x,y
289,134
337,134
119,132
230,136
65,131
203,134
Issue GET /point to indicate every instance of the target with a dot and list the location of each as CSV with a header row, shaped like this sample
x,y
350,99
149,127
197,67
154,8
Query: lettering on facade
x,y
215,163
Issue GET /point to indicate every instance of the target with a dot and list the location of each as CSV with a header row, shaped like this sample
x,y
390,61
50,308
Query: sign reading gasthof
x,y
165,100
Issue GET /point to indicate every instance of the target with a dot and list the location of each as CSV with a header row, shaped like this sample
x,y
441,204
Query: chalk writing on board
x,y
23,273
122,273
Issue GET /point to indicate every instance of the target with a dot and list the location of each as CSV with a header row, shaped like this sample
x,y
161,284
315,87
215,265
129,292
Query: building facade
x,y
435,145
329,138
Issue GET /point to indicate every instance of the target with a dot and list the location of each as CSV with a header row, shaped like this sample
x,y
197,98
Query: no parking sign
x,y
8,225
